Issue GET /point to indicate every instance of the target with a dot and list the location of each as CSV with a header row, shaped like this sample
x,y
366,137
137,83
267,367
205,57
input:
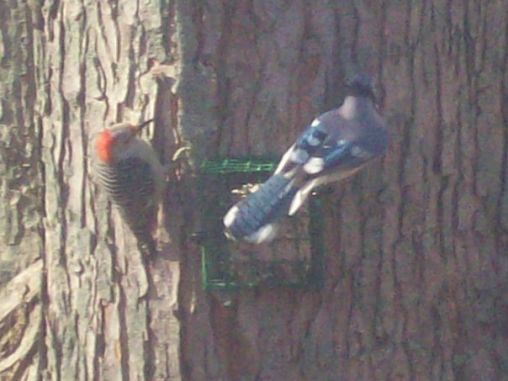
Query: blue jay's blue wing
x,y
343,155
310,141
330,163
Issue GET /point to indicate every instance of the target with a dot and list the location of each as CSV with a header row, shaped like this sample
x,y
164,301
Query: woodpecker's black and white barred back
x,y
128,170
337,144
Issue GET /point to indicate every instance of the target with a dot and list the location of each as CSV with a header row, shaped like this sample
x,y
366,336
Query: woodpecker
x,y
128,170
336,145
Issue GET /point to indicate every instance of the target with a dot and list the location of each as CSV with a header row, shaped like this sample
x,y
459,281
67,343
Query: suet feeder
x,y
293,258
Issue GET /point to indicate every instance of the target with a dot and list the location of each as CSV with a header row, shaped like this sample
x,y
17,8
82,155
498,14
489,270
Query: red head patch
x,y
104,146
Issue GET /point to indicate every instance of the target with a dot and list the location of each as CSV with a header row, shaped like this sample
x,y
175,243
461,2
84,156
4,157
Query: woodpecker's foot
x,y
162,71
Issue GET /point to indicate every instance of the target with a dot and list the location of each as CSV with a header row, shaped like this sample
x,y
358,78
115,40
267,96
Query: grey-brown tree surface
x,y
416,276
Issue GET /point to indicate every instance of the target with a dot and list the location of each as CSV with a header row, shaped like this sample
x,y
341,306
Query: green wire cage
x,y
293,259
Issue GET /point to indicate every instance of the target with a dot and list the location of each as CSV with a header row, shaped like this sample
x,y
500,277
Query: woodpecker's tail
x,y
142,226
254,219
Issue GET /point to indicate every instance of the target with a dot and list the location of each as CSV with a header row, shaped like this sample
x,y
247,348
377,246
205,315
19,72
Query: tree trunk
x,y
416,264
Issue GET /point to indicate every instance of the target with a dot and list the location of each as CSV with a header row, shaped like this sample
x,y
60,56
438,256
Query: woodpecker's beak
x,y
140,126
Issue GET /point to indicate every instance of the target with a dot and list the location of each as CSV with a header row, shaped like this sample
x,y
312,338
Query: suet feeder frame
x,y
220,266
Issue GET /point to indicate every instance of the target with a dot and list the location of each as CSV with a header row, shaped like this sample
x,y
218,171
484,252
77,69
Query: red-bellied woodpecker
x,y
127,168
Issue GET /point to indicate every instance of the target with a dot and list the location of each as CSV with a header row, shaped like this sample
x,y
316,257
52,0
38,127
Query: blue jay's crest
x,y
336,145
361,85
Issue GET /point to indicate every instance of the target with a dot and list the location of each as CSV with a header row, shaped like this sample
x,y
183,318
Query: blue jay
x,y
336,145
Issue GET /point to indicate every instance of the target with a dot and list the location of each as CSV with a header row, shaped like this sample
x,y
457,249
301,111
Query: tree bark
x,y
416,244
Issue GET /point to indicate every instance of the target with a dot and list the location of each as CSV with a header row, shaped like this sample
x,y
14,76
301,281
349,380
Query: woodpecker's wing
x,y
131,187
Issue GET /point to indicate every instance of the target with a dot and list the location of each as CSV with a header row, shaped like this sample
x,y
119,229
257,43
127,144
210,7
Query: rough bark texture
x,y
415,286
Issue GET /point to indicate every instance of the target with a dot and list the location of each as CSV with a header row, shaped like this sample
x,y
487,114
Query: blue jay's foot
x,y
245,189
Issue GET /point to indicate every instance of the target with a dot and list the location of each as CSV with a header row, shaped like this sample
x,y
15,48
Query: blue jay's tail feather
x,y
254,218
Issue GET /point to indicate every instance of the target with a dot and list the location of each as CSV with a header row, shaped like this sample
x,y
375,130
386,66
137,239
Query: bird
x,y
336,145
128,170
